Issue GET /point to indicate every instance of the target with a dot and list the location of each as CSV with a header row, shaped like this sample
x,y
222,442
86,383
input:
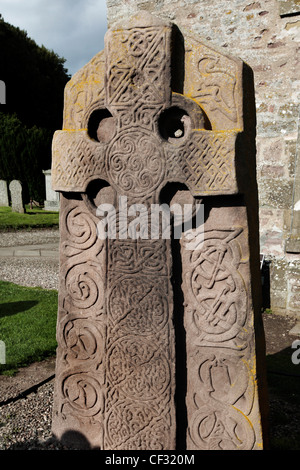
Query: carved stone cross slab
x,y
157,341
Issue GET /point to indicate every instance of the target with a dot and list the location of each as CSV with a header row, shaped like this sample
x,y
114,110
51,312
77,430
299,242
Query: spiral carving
x,y
135,162
82,286
219,429
83,340
81,231
83,394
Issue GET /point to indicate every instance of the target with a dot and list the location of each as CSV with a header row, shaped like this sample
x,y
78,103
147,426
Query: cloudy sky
x,y
74,29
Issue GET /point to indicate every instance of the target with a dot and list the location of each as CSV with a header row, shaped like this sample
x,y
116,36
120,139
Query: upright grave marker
x,y
4,201
160,343
2,92
16,196
52,197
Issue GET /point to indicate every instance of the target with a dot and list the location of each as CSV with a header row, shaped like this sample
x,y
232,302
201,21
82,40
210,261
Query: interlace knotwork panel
x,y
219,342
140,347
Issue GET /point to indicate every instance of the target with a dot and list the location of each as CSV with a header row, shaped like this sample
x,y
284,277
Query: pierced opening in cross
x,y
174,123
101,125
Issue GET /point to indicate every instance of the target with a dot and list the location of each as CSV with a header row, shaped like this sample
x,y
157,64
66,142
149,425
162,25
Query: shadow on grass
x,y
71,440
12,308
40,212
284,397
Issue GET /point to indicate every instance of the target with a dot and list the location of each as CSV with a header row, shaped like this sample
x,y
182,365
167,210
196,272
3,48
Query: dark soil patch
x,y
283,382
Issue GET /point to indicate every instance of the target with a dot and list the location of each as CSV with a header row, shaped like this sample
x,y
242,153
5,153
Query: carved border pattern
x,y
83,91
208,162
78,160
138,63
80,388
140,347
221,387
215,84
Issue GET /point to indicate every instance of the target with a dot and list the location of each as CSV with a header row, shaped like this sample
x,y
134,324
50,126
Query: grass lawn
x,y
27,324
33,218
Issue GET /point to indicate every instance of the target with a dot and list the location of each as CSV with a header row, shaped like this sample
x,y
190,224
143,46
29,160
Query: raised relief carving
x,y
220,343
135,163
127,134
216,289
83,93
215,83
208,162
134,75
79,387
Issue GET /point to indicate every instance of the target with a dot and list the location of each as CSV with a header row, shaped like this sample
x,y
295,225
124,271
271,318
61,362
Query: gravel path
x,y
26,423
28,237
32,272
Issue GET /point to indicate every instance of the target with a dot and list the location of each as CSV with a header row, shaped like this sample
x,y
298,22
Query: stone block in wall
x,y
278,272
288,7
291,154
270,150
275,192
285,286
293,288
292,245
278,301
278,285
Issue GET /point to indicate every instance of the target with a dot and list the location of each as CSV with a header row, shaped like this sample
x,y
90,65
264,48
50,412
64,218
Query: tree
x,y
35,78
23,153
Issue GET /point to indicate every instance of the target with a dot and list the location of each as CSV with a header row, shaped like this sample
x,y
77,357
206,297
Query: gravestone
x,y
16,196
2,92
52,197
4,201
2,352
160,341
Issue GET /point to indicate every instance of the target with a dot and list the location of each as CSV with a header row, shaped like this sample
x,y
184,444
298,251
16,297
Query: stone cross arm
x,y
124,102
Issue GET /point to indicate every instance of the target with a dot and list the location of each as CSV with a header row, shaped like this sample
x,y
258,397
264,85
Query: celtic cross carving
x,y
130,129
